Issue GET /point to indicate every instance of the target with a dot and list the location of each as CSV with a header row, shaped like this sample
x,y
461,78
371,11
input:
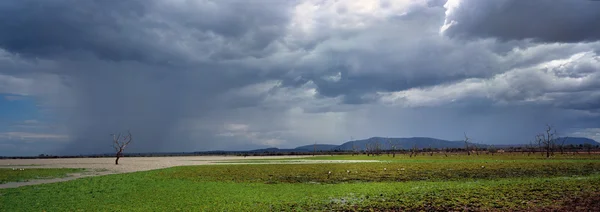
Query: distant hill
x,y
426,142
319,147
408,143
276,150
403,143
578,141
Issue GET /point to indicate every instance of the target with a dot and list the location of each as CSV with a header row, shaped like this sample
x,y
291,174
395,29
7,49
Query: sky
x,y
195,75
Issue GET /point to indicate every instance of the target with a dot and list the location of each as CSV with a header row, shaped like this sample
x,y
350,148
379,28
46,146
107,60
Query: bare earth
x,y
104,166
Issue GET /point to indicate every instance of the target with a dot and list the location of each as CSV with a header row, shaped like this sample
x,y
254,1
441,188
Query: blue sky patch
x,y
16,108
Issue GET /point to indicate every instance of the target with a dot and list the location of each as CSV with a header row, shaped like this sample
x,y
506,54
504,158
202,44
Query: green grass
x,y
376,172
461,157
18,175
505,183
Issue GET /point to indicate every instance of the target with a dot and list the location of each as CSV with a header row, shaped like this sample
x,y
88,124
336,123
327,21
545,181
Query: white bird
x,y
384,169
347,171
482,167
329,172
13,169
402,169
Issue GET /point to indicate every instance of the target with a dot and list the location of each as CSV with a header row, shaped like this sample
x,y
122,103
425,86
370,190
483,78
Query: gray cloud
x,y
149,31
539,20
201,75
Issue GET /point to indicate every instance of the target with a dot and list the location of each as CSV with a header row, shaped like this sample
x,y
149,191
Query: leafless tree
x,y
354,148
531,148
547,140
393,147
377,148
430,150
119,143
467,144
588,147
492,149
413,151
562,145
540,146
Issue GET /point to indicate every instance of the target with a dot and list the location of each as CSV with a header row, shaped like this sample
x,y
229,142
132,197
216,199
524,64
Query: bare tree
x,y
119,143
531,148
353,146
547,140
562,145
467,144
413,151
393,147
430,150
492,149
377,147
588,147
539,144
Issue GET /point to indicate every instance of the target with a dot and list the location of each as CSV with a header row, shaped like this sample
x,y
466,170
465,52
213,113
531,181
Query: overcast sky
x,y
193,75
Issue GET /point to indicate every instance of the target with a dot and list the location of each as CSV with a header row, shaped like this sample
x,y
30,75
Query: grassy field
x,y
485,182
19,174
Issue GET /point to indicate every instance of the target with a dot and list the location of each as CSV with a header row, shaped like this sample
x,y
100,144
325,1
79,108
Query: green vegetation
x,y
376,172
462,158
501,182
20,174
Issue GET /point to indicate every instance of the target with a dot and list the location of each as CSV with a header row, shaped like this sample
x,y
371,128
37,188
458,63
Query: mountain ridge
x,y
387,143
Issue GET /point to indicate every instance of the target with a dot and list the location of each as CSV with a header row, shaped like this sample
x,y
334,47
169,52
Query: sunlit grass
x,y
24,174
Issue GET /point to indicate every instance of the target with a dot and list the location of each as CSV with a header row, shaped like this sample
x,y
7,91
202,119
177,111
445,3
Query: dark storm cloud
x,y
199,75
139,65
147,31
48,28
539,20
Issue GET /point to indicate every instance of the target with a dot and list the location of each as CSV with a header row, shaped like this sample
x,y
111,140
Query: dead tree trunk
x,y
117,160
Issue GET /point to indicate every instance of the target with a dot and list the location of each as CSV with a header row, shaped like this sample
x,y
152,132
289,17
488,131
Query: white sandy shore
x,y
104,166
127,164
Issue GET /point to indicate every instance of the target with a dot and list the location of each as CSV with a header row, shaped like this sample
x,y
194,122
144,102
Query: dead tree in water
x,y
119,143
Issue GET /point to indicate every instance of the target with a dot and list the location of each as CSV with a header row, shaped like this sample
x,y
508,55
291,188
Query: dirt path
x,y
105,166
